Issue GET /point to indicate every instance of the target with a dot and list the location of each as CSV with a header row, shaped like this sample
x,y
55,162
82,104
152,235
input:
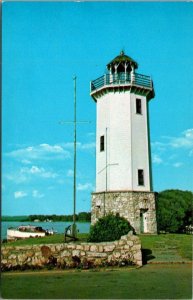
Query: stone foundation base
x,y
139,208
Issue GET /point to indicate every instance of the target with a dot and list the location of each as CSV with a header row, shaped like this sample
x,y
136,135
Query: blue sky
x,y
44,45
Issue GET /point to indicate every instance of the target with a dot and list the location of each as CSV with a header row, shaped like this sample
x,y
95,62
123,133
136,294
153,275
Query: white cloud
x,y
68,145
37,194
39,152
85,187
28,173
52,149
26,162
16,177
80,146
70,173
191,153
47,152
20,194
86,146
158,146
156,159
177,164
185,141
169,149
34,170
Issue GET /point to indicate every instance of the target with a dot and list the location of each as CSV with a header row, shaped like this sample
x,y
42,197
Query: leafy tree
x,y
109,228
174,210
84,216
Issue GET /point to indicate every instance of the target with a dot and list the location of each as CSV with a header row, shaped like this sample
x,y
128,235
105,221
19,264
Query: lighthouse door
x,y
143,220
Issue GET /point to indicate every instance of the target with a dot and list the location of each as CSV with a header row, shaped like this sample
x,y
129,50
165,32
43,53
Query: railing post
x,y
151,83
132,74
110,78
126,65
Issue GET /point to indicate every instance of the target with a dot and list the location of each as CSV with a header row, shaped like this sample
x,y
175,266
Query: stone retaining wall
x,y
125,251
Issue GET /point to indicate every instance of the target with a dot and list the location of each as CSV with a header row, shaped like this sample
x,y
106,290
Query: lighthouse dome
x,y
122,62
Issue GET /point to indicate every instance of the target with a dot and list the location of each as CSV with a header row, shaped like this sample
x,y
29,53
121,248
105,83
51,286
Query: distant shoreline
x,y
80,217
14,218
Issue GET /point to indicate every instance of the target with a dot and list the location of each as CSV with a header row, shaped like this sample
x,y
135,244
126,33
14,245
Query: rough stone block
x,y
21,258
116,243
139,263
71,246
134,238
14,263
86,247
59,247
98,262
45,251
75,253
136,247
127,247
124,237
79,247
38,254
96,254
130,243
122,242
137,256
93,248
12,256
4,261
4,252
116,254
30,253
100,248
29,260
109,248
65,253
43,260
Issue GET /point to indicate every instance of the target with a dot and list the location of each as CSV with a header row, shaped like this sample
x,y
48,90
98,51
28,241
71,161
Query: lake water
x,y
58,226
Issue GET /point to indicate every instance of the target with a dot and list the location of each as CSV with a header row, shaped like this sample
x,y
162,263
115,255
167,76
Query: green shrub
x,y
109,228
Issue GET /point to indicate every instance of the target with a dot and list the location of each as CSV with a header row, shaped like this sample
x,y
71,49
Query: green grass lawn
x,y
50,239
152,281
161,281
167,247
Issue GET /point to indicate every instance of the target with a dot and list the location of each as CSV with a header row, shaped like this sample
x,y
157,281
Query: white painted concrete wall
x,y
127,143
139,142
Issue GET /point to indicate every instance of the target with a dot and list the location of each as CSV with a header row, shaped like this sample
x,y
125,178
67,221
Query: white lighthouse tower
x,y
123,160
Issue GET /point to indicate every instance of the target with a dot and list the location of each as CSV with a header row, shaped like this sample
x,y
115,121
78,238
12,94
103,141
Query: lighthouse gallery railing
x,y
121,78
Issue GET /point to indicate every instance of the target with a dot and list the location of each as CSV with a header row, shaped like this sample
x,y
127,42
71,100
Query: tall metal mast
x,y
74,192
74,229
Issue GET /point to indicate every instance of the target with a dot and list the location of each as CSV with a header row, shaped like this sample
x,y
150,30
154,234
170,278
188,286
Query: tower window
x,y
138,106
140,177
102,143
